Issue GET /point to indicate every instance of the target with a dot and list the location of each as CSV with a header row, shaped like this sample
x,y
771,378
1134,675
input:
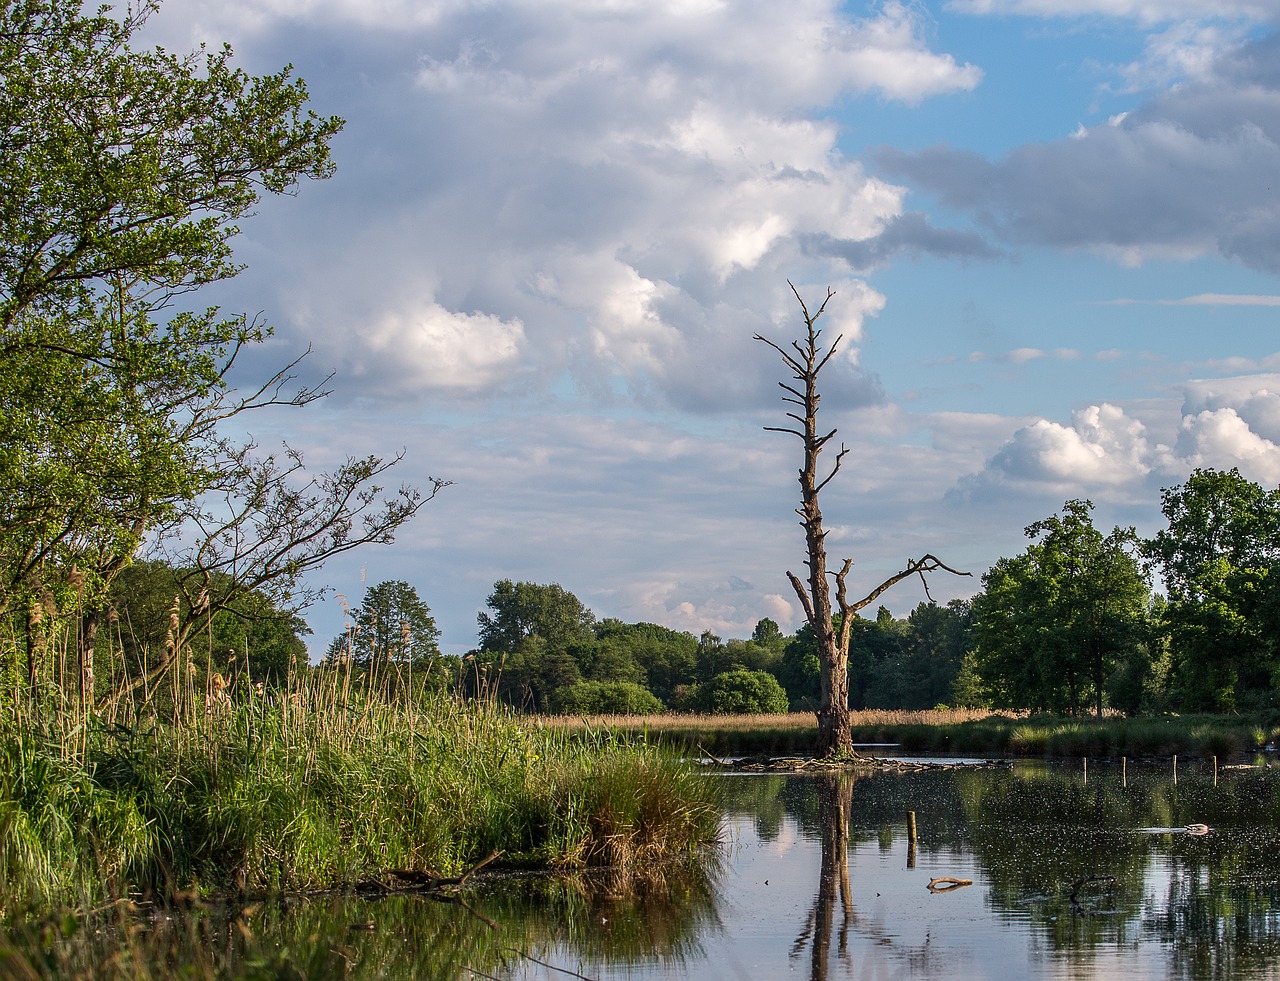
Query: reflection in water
x,y
833,793
1113,876
504,928
1070,879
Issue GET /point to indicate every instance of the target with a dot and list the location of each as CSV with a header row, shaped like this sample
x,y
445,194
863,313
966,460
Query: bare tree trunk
x,y
806,359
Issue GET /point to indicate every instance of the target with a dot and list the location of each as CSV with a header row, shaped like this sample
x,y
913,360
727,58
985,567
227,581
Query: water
x,y
1072,877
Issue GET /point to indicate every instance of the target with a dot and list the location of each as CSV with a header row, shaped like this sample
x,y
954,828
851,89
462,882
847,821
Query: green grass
x,y
320,790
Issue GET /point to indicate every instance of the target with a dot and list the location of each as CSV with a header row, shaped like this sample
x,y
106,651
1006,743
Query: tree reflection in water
x,y
833,792
833,915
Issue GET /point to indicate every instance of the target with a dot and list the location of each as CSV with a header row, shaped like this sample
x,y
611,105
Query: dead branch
x,y
915,567
948,884
421,880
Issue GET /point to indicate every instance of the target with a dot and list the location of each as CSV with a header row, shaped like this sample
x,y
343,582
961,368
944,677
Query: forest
x,y
1072,625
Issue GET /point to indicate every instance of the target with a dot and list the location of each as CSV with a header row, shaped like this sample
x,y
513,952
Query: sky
x,y
556,226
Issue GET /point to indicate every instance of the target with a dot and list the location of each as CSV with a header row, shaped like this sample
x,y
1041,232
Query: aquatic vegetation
x,y
310,788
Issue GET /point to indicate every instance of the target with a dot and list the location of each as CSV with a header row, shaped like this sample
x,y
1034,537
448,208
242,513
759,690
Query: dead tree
x,y
805,359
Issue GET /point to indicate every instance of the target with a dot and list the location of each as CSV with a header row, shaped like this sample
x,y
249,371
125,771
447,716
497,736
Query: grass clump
x,y
306,791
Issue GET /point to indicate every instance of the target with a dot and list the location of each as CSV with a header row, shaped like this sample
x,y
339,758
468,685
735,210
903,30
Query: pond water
x,y
1074,874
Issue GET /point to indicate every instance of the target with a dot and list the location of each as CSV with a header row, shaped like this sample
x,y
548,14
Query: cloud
x,y
909,234
1145,11
610,196
1223,423
1101,446
428,347
1186,174
1185,51
1019,355
1023,355
1221,438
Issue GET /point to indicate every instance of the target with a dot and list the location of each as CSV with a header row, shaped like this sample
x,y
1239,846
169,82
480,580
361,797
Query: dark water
x,y
1071,878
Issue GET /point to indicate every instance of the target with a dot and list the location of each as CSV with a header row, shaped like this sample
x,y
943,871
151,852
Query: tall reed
x,y
317,785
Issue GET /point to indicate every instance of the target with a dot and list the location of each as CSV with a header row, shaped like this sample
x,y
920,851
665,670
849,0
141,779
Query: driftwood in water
x,y
946,883
423,881
799,764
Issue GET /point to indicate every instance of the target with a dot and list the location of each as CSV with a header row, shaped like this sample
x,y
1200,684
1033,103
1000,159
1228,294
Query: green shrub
x,y
743,693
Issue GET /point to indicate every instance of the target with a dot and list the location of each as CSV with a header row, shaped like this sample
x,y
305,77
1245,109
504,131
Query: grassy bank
x,y
961,731
306,791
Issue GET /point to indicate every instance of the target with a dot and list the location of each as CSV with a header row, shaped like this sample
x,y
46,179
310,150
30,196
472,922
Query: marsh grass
x,y
789,732
957,731
310,788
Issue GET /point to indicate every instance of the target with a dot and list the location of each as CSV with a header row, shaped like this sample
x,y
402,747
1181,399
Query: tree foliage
x,y
249,637
126,173
1055,622
391,626
741,692
1219,559
605,698
524,609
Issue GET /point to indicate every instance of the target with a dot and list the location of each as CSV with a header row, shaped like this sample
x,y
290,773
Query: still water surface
x,y
1073,876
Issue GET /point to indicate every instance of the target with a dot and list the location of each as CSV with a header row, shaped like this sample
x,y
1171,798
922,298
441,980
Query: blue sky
x,y
1053,228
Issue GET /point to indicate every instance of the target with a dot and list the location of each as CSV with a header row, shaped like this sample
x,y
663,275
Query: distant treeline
x,y
1071,625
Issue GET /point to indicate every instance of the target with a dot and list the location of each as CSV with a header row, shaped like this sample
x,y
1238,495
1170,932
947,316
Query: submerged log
x,y
423,880
947,883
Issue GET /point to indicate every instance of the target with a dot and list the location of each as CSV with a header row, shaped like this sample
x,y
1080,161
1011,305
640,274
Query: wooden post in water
x,y
911,839
1215,771
1124,771
1085,759
1175,769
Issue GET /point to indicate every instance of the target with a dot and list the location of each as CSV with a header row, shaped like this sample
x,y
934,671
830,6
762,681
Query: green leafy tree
x,y
922,659
391,626
875,661
800,671
1219,559
524,609
1053,623
249,637
665,658
605,698
529,675
126,172
768,634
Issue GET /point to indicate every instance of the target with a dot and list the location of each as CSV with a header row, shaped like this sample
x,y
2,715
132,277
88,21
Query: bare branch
x,y
915,567
835,469
803,594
